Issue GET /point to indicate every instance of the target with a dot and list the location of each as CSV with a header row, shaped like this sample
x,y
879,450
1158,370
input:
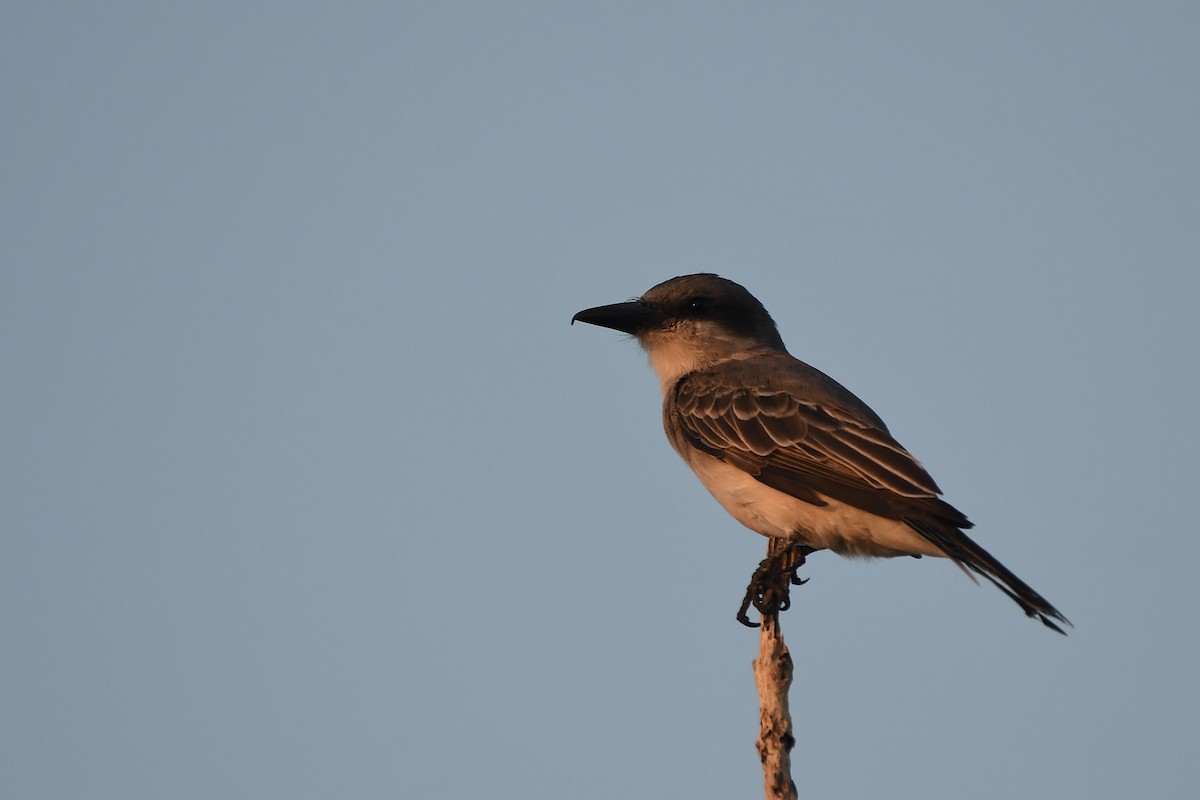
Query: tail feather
x,y
965,552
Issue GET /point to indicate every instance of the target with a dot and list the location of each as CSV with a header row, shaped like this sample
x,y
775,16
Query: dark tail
x,y
961,549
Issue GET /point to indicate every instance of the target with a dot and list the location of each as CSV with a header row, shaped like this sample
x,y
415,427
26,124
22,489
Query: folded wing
x,y
812,449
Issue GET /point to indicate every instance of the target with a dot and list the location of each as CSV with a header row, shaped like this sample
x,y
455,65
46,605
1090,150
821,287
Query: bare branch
x,y
773,676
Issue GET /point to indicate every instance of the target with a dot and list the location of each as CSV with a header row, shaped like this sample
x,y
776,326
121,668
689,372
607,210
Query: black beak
x,y
632,317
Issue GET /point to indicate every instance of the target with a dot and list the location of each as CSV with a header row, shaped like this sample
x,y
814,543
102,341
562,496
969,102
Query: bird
x,y
785,449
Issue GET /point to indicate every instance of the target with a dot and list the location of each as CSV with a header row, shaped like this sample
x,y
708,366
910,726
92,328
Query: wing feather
x,y
807,448
812,439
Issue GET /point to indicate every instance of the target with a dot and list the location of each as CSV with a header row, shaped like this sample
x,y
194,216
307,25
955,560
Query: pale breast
x,y
835,526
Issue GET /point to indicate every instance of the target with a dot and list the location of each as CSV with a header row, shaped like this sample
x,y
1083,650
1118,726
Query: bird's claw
x,y
769,590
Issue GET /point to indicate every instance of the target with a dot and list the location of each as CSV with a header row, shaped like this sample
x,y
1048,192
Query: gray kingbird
x,y
787,450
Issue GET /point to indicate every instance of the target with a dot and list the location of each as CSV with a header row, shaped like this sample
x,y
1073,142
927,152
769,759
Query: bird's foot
x,y
770,585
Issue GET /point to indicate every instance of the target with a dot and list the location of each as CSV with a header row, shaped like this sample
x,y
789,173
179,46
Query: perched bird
x,y
787,450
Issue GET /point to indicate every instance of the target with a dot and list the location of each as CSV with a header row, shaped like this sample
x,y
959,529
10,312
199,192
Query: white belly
x,y
836,526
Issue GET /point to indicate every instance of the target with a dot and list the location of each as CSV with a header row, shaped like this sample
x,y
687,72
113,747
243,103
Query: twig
x,y
773,676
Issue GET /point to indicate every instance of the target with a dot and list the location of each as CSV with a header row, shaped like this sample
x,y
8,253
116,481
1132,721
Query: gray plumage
x,y
784,448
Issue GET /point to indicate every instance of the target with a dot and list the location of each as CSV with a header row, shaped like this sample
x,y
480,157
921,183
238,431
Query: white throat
x,y
686,348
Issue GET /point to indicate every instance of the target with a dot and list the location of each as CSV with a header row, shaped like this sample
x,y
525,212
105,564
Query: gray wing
x,y
806,447
807,436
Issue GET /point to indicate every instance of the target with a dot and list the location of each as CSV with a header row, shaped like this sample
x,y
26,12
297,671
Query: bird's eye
x,y
700,305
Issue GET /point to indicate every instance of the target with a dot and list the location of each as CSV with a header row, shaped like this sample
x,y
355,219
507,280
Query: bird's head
x,y
691,322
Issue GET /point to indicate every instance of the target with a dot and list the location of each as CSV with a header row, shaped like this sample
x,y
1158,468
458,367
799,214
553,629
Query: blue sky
x,y
310,489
